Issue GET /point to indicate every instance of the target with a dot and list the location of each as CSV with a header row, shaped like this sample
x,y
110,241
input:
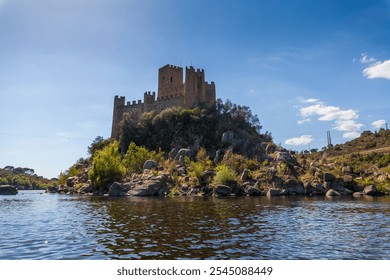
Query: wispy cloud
x,y
298,141
375,69
378,124
344,120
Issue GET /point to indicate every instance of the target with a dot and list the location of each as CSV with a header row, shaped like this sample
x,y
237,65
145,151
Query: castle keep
x,y
172,92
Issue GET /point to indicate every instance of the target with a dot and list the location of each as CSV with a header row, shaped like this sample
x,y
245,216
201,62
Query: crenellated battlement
x,y
194,91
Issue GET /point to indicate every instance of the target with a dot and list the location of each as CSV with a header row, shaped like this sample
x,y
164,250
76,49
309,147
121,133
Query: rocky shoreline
x,y
282,177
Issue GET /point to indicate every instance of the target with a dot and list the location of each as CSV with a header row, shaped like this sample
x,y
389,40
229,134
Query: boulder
x,y
239,190
347,170
329,177
245,175
332,192
8,190
357,188
338,185
52,189
222,190
150,164
295,189
71,181
149,186
116,190
227,137
86,188
274,192
370,190
348,181
253,191
358,194
183,153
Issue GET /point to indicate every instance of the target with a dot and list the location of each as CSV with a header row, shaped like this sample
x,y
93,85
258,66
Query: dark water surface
x,y
34,225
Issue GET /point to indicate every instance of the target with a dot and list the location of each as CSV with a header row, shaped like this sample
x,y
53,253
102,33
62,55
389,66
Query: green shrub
x,y
106,167
136,156
224,176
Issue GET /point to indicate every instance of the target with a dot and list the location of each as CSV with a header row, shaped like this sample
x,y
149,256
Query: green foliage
x,y
194,169
98,144
224,175
106,167
24,178
179,127
136,156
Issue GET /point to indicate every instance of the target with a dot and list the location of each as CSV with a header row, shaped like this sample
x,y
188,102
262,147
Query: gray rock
x,y
253,191
71,181
370,190
357,188
332,192
116,190
347,170
150,164
274,192
86,188
151,186
338,186
8,190
295,189
329,177
183,153
52,189
358,194
223,190
227,137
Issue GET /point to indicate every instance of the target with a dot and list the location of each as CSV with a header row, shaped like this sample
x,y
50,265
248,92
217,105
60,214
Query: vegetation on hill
x,y
24,178
222,152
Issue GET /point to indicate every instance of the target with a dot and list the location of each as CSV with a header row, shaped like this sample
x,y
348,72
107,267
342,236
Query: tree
x,y
106,167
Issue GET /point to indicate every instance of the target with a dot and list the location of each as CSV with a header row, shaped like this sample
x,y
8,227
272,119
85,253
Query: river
x,y
35,225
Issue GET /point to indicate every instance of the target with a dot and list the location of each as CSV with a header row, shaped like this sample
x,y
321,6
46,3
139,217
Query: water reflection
x,y
65,227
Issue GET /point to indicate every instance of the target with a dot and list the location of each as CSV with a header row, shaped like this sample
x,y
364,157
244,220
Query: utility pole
x,y
329,138
386,126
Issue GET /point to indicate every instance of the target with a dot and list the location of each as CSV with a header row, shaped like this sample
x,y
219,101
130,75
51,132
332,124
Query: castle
x,y
172,92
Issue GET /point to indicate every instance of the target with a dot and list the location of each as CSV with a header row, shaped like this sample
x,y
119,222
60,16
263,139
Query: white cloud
x,y
351,134
365,59
304,121
378,124
297,141
344,120
378,70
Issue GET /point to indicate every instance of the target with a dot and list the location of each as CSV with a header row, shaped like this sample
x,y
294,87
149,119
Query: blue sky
x,y
304,67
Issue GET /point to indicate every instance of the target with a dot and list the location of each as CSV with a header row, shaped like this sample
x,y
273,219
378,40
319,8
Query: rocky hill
x,y
193,152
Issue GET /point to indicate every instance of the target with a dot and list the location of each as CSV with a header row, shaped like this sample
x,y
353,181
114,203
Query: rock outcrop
x,y
8,190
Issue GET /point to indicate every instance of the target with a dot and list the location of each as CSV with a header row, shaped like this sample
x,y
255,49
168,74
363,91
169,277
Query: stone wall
x,y
172,92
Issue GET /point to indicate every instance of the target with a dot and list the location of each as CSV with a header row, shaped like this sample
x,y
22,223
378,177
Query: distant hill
x,y
24,178
368,142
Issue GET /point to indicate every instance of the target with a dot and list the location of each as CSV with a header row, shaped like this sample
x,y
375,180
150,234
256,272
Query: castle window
x,y
171,79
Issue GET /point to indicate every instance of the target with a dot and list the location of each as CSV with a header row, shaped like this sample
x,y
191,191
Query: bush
x,y
106,167
224,176
136,156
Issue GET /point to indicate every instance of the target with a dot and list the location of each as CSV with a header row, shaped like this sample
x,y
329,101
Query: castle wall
x,y
172,92
170,81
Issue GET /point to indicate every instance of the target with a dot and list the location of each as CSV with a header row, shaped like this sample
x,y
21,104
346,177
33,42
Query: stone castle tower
x,y
172,92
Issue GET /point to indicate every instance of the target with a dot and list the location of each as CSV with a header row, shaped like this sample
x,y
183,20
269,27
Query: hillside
x,y
222,152
24,178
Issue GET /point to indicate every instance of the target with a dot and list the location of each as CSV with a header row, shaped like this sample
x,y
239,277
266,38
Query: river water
x,y
35,225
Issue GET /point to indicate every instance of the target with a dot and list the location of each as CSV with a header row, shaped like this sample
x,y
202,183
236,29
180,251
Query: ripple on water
x,y
42,226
